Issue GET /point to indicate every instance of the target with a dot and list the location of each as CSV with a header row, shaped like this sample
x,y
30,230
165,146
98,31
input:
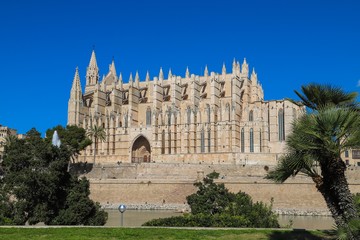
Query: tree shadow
x,y
81,168
301,234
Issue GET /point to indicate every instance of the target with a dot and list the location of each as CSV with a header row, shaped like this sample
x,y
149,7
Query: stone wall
x,y
169,184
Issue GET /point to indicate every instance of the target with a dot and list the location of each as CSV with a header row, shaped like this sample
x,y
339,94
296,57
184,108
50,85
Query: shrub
x,y
214,206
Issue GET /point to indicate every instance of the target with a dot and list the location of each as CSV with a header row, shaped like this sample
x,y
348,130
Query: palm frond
x,y
290,165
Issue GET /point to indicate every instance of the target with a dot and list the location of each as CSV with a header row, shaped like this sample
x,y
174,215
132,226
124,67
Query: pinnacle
x,y
93,60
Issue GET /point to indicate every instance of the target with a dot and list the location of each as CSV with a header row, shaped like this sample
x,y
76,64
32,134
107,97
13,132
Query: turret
x,y
120,82
169,74
92,73
253,77
245,68
223,71
147,78
234,66
75,104
112,68
130,80
187,73
137,80
206,71
161,75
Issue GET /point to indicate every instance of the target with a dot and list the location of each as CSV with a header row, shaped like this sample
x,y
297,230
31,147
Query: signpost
x,y
122,209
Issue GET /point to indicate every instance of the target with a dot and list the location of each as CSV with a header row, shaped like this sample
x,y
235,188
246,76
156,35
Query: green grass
x,y
96,233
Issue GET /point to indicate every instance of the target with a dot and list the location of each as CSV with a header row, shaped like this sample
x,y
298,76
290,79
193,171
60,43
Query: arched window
x,y
148,116
169,117
188,115
251,140
346,153
209,140
281,125
175,140
169,139
242,140
195,115
251,116
208,112
202,140
163,142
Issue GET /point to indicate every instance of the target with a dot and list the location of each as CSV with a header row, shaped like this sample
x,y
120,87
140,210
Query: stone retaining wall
x,y
151,186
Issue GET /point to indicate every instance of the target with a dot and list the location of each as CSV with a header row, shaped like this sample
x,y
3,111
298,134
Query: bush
x,y
214,206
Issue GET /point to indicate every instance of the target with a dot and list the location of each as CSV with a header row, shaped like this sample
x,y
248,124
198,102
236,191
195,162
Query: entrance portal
x,y
140,151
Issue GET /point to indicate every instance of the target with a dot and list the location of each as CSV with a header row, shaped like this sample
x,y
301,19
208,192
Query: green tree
x,y
210,198
315,145
214,206
98,133
73,137
36,176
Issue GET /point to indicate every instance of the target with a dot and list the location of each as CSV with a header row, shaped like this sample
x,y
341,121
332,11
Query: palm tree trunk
x,y
335,185
329,200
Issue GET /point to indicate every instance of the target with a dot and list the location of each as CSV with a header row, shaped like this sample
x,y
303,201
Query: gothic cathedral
x,y
214,118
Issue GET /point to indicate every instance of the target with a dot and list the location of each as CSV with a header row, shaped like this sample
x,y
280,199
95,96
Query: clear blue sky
x,y
290,43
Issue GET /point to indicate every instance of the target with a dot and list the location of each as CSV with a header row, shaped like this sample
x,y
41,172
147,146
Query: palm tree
x,y
98,133
314,148
316,96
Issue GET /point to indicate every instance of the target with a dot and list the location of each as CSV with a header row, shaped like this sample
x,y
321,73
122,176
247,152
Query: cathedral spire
x,y
147,78
120,81
253,77
93,62
187,73
234,66
137,79
223,70
131,79
76,85
169,74
245,68
112,67
161,74
92,72
206,71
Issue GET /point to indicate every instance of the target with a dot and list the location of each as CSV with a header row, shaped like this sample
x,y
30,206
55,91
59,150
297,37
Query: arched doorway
x,y
141,151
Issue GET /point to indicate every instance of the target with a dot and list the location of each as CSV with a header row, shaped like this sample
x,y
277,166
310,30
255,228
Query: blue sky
x,y
290,43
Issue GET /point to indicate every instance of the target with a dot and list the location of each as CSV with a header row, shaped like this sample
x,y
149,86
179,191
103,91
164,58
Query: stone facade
x,y
214,118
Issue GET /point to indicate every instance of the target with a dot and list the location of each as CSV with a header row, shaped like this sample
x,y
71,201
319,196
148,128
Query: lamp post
x,y
122,209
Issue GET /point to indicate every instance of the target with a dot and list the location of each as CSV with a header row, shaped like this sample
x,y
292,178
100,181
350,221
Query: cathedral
x,y
216,118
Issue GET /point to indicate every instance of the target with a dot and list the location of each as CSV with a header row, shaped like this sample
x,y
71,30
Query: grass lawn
x,y
92,233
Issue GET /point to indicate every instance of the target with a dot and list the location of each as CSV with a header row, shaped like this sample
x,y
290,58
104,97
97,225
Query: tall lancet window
x,y
148,116
251,116
281,125
188,115
169,139
209,139
163,142
202,140
251,140
242,140
260,143
208,112
169,117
